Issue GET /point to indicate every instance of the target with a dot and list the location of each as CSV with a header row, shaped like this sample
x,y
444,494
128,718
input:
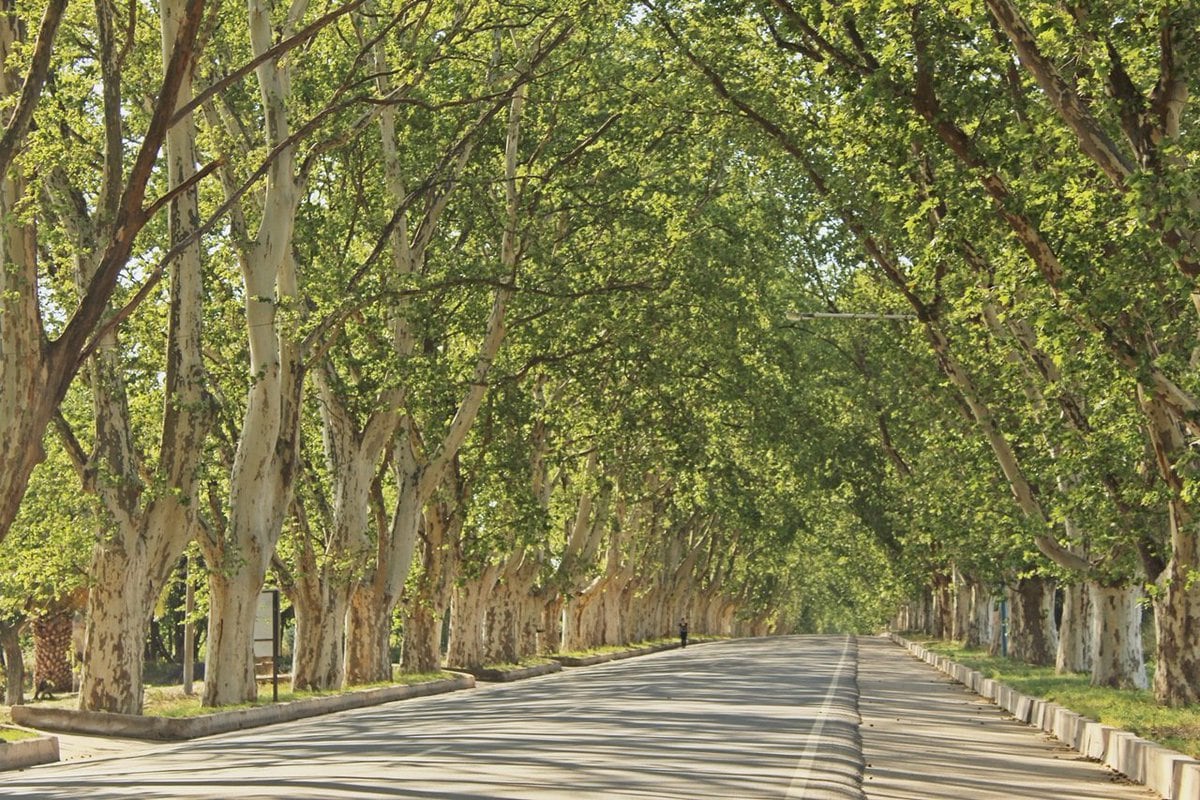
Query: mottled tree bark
x,y
1032,637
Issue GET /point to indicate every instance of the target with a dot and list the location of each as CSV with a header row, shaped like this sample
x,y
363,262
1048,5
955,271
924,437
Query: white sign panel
x,y
264,625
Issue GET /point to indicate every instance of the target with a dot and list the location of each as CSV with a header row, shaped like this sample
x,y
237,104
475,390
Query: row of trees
x,y
466,307
477,314
1019,178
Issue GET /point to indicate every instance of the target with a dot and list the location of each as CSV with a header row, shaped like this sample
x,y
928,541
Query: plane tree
x,y
928,231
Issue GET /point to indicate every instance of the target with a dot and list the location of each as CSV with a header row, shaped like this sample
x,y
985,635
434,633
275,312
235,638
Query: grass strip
x,y
170,701
15,735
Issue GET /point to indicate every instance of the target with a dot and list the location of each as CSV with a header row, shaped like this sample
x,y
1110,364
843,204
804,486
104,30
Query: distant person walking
x,y
683,632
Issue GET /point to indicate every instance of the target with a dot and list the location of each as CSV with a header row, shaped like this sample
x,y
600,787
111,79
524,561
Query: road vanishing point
x,y
782,717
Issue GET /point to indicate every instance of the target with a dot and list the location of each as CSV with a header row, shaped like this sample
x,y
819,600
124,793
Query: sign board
x,y
264,624
266,634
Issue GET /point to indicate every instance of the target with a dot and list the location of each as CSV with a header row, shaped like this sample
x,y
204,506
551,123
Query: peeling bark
x,y
423,623
264,463
148,526
34,373
1076,631
468,620
1032,637
317,660
326,580
1117,635
14,664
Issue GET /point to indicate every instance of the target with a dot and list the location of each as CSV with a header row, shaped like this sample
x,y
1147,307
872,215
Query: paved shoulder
x,y
927,738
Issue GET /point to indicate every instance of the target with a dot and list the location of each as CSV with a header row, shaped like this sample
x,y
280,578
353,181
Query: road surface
x,y
761,718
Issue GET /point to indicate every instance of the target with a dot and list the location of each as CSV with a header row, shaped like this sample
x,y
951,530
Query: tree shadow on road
x,y
725,720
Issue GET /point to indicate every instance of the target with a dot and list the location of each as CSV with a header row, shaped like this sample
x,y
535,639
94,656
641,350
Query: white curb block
x,y
1173,775
28,752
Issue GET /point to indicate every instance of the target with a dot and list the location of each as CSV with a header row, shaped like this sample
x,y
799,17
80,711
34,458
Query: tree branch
x,y
1093,139
284,46
35,81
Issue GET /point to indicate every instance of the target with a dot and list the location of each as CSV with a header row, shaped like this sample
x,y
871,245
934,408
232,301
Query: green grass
x,y
170,701
1128,709
595,651
508,666
15,735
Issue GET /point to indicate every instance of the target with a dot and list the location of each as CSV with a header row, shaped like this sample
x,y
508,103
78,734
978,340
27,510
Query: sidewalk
x,y
927,738
75,747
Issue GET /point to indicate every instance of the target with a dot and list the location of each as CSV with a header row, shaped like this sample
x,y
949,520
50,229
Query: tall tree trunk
x,y
1075,630
996,625
580,628
120,606
263,466
978,633
1177,616
423,623
318,658
133,559
1119,658
238,565
128,571
927,619
468,619
422,639
1032,638
521,604
962,607
327,578
423,619
14,664
502,627
373,599
229,667
943,605
550,625
1177,620
368,636
1177,602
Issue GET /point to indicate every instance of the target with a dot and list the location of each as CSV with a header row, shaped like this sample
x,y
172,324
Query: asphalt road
x,y
766,718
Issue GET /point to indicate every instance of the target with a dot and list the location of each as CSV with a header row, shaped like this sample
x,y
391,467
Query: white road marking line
x,y
804,769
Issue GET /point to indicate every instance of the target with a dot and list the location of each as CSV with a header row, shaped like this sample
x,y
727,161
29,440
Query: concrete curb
x,y
174,729
498,675
28,752
505,675
602,658
1173,775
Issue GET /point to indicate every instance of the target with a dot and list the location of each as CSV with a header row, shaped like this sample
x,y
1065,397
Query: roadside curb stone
x,y
28,752
491,675
602,658
177,729
1172,774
